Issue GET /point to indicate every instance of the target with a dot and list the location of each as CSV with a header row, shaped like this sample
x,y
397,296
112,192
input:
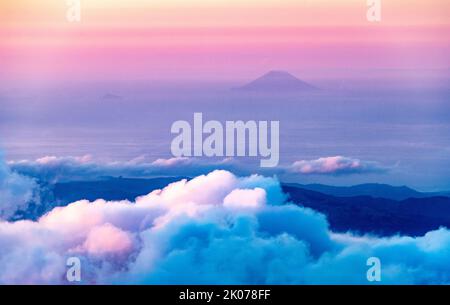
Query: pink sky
x,y
201,39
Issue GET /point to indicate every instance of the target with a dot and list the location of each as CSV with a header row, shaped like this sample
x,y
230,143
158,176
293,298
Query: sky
x,y
329,44
216,40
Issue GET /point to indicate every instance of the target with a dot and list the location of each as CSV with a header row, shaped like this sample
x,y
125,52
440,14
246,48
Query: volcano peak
x,y
276,80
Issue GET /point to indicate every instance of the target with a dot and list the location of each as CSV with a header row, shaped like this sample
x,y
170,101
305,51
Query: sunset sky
x,y
200,39
89,142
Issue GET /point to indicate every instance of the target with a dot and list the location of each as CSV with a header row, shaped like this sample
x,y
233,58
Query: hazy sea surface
x,y
406,130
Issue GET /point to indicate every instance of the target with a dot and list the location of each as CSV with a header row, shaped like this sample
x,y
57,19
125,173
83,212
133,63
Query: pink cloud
x,y
107,239
334,165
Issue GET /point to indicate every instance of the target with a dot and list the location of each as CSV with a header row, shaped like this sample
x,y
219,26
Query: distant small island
x,y
110,96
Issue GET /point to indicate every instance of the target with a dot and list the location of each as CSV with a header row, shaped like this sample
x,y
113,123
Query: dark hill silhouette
x,y
368,189
381,216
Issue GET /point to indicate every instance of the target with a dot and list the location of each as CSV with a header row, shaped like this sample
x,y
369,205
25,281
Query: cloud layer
x,y
336,165
16,191
215,228
52,169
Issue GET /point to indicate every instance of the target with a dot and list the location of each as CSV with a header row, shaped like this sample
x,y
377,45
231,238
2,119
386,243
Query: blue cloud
x,y
16,191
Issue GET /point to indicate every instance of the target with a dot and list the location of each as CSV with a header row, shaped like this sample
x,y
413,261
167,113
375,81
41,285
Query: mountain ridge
x,y
376,190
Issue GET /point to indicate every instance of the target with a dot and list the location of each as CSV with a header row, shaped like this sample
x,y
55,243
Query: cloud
x,y
16,191
336,165
106,239
56,169
216,228
245,199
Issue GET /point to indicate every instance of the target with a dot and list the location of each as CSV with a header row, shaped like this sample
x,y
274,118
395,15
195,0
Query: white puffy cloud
x,y
215,228
245,199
